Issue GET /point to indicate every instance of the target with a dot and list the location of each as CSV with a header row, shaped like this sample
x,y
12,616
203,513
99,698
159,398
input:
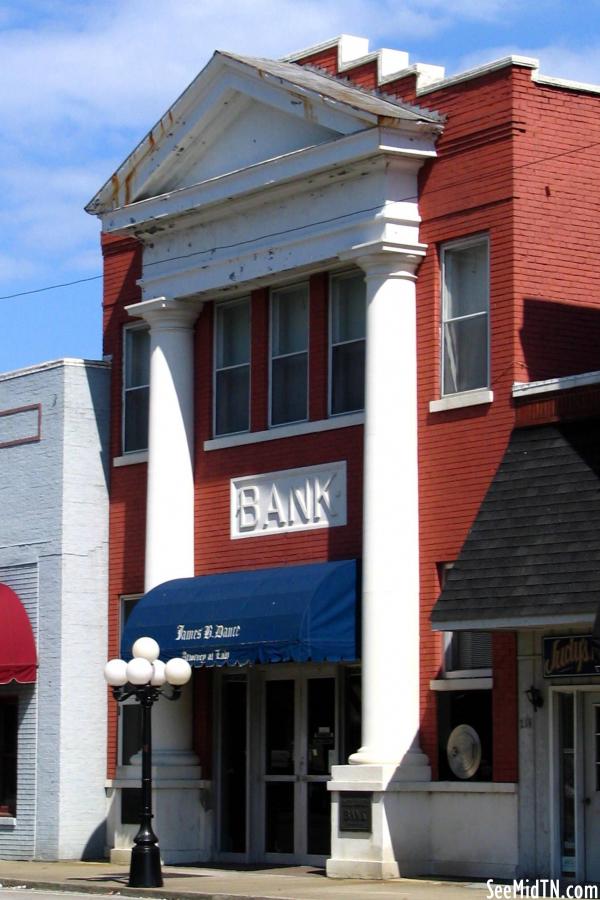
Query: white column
x,y
170,500
170,486
390,596
180,820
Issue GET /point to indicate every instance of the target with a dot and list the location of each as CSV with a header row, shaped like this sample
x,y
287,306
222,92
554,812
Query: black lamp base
x,y
145,870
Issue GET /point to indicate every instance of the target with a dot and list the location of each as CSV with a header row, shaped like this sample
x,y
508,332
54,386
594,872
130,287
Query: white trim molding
x,y
550,385
279,432
458,401
461,684
134,457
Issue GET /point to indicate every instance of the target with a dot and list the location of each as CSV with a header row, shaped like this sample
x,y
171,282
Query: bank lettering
x,y
294,500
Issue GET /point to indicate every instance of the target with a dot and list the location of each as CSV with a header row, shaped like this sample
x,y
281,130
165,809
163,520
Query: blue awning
x,y
292,613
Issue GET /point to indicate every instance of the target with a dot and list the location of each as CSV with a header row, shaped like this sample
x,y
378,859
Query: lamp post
x,y
145,677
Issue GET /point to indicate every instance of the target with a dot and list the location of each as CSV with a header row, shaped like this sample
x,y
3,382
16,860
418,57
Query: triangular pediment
x,y
246,133
239,113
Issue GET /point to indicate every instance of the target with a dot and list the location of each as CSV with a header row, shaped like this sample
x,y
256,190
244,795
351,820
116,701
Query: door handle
x,y
588,801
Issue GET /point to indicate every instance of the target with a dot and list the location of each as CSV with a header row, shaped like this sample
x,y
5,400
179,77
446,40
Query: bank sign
x,y
571,656
291,500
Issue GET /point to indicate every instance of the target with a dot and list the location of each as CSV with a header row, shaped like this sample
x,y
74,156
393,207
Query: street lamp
x,y
145,677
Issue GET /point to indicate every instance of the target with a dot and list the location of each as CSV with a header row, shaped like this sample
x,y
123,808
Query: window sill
x,y
8,822
131,459
459,401
462,684
285,431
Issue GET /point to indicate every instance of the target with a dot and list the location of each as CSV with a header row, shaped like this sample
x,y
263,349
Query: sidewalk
x,y
186,883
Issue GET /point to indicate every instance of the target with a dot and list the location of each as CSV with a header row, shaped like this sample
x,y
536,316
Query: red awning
x,y
18,659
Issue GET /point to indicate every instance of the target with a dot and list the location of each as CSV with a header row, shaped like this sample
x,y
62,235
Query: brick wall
x,y
517,162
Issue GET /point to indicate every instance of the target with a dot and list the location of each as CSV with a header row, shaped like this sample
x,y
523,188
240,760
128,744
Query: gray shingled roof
x,y
534,548
337,89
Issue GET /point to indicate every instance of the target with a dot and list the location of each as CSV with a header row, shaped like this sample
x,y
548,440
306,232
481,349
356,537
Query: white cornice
x,y
55,364
551,385
477,72
566,83
349,47
271,175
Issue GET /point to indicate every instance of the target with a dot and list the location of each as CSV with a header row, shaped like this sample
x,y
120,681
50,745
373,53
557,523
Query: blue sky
x,y
83,82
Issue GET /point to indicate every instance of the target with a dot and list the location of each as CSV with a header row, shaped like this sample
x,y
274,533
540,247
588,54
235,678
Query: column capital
x,y
166,313
385,259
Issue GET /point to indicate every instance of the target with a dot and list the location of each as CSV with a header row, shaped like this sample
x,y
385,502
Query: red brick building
x,y
333,276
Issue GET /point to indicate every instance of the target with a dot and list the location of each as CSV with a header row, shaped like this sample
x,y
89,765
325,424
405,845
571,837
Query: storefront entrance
x,y
577,716
280,731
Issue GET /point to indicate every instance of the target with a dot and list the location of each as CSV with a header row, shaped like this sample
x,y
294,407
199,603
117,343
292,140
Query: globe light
x,y
178,671
139,671
115,672
158,677
146,648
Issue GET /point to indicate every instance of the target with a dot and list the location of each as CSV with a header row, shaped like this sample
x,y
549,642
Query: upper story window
x,y
232,367
289,354
136,388
347,331
465,315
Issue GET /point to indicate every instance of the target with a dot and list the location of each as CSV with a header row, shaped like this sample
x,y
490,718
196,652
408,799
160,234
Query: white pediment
x,y
248,132
236,114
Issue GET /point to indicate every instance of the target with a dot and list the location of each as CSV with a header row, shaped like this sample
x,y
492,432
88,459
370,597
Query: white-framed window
x,y
289,354
136,387
347,343
232,367
465,315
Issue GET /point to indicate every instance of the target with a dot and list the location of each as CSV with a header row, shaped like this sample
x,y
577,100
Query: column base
x,y
414,765
396,841
362,868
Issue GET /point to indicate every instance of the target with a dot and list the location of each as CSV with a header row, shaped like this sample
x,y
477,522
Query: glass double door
x,y
279,740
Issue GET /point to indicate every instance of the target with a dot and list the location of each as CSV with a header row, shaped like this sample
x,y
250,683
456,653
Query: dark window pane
x,y
9,729
348,377
233,334
137,357
233,770
279,824
465,355
318,822
289,389
279,727
320,725
131,732
348,313
127,608
352,713
289,320
466,280
232,400
131,806
136,419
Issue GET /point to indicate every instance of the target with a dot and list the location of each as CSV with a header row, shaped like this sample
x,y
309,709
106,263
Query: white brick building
x,y
53,555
